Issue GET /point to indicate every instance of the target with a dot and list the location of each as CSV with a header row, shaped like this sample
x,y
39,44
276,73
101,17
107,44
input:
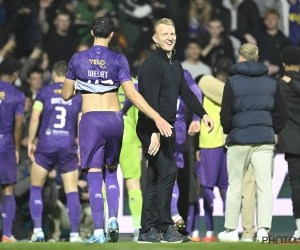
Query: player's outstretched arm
x,y
68,90
164,127
33,127
18,134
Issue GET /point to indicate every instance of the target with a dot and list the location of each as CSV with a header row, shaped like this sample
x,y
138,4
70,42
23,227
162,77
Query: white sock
x,y
209,234
74,234
195,233
175,217
136,232
97,232
37,230
298,227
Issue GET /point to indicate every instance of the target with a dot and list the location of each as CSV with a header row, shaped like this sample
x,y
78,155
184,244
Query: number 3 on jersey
x,y
61,117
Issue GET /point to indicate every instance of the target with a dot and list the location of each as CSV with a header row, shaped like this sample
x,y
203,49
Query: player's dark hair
x,y
34,70
102,27
9,66
60,68
223,66
290,56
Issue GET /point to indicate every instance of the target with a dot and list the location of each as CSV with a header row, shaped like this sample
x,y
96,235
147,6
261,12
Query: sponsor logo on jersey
x,y
101,63
57,91
48,131
97,195
2,95
38,202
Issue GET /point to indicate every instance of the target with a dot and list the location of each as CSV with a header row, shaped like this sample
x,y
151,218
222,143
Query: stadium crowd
x,y
42,33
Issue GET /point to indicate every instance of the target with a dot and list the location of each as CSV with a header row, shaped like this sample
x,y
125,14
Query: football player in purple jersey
x,y
58,121
12,102
98,73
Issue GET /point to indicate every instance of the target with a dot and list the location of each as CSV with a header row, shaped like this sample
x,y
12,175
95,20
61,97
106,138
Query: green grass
x,y
134,246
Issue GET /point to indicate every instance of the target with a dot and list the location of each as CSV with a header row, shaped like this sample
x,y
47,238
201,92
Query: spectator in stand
x,y
37,58
85,13
35,81
294,21
271,42
192,62
282,7
216,44
200,13
240,18
59,43
48,10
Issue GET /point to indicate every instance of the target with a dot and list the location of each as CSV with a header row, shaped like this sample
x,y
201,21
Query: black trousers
x,y
294,176
161,176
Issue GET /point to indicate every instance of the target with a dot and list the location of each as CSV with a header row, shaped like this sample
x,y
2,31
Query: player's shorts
x,y
8,168
100,138
213,168
130,161
64,159
180,140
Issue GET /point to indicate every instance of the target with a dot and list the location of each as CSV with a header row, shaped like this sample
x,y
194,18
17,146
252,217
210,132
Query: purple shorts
x,y
100,138
180,140
8,168
213,168
65,159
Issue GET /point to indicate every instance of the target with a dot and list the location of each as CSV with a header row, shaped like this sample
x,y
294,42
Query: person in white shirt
x,y
192,62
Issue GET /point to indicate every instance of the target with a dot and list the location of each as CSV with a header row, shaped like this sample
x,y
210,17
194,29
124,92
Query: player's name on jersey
x,y
58,100
97,73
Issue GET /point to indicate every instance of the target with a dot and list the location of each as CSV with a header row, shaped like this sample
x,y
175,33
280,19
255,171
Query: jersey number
x,y
61,117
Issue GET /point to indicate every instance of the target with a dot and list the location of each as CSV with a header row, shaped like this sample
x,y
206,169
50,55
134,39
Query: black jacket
x,y
160,81
253,106
289,137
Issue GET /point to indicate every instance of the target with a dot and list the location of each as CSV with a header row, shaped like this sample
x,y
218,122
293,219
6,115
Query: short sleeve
x,y
39,96
20,105
124,71
71,73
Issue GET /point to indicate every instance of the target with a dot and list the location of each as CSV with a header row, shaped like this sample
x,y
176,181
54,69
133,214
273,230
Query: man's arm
x,y
33,127
194,88
226,108
18,134
191,100
281,111
138,101
68,90
19,115
212,88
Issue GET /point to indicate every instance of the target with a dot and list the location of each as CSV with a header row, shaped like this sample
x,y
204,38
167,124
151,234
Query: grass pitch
x,y
136,246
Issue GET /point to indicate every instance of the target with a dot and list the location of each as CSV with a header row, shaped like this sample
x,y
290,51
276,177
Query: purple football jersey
x,y
58,126
12,102
98,70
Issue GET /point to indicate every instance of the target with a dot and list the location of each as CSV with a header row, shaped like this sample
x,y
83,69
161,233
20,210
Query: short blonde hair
x,y
163,21
249,51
